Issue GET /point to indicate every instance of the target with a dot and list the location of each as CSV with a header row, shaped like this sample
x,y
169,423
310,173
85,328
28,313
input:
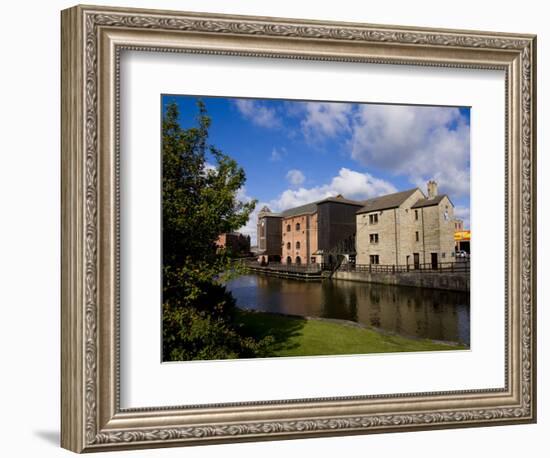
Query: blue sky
x,y
294,152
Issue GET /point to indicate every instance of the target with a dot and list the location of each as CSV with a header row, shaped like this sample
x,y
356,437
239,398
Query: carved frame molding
x,y
92,39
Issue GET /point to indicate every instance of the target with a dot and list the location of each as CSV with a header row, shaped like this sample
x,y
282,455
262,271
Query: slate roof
x,y
301,210
375,204
429,202
312,207
386,202
342,200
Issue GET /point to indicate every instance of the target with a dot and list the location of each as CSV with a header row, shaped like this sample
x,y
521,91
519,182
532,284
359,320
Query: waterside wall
x,y
458,281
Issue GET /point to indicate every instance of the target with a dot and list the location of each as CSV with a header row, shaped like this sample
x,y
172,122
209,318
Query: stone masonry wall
x,y
407,226
447,281
385,228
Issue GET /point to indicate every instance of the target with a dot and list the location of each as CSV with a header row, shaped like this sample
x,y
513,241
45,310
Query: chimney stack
x,y
432,189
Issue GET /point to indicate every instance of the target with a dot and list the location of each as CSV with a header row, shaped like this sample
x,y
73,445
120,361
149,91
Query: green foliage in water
x,y
199,202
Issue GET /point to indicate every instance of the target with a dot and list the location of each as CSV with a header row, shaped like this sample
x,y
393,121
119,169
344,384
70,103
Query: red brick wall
x,y
298,238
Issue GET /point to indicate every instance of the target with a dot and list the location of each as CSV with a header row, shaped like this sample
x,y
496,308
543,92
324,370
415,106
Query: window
x,y
297,245
288,228
313,260
373,219
416,215
373,238
374,259
417,236
288,246
297,226
442,255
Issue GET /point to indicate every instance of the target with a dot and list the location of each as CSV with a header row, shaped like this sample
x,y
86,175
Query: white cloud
x,y
418,142
242,195
207,168
463,213
250,227
325,120
349,183
295,177
258,113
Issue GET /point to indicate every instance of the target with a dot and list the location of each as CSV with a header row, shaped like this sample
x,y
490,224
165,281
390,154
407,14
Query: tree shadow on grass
x,y
284,329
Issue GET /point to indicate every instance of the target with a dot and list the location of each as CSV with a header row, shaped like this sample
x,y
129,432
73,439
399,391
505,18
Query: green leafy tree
x,y
199,202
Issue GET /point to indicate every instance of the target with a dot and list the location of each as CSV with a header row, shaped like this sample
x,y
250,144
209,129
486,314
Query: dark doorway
x,y
434,261
416,260
289,260
298,260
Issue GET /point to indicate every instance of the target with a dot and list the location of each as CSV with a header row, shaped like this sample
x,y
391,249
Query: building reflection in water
x,y
420,312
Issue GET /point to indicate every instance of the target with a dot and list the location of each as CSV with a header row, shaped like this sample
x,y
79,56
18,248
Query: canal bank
x,y
449,281
434,314
449,278
312,336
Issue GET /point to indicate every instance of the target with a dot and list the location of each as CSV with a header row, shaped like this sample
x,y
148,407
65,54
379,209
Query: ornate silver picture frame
x,y
93,39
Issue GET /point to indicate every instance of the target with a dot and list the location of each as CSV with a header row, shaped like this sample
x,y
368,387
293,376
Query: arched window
x,y
297,226
288,246
297,245
289,260
298,260
288,228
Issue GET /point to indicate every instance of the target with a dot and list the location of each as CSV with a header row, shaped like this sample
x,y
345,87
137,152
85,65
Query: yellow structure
x,y
462,241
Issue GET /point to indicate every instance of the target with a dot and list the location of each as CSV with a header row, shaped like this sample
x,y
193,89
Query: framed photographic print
x,y
277,228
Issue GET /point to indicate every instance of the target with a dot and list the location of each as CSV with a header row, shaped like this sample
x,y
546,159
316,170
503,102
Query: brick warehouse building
x,y
307,233
406,228
235,243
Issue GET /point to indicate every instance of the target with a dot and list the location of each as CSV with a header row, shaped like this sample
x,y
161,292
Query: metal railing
x,y
442,267
447,267
281,267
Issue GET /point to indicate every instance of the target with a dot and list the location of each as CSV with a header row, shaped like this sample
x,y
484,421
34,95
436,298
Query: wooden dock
x,y
307,272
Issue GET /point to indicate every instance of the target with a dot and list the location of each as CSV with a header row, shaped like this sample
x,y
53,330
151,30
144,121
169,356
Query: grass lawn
x,y
296,336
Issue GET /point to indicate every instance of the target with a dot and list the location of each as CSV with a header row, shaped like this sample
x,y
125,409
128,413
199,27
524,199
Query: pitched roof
x,y
342,200
268,215
301,210
312,207
385,202
429,202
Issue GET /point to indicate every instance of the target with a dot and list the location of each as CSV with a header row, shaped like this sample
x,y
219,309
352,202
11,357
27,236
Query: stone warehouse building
x,y
406,228
308,233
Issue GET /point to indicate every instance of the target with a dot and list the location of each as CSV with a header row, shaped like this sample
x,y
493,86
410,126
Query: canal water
x,y
407,311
